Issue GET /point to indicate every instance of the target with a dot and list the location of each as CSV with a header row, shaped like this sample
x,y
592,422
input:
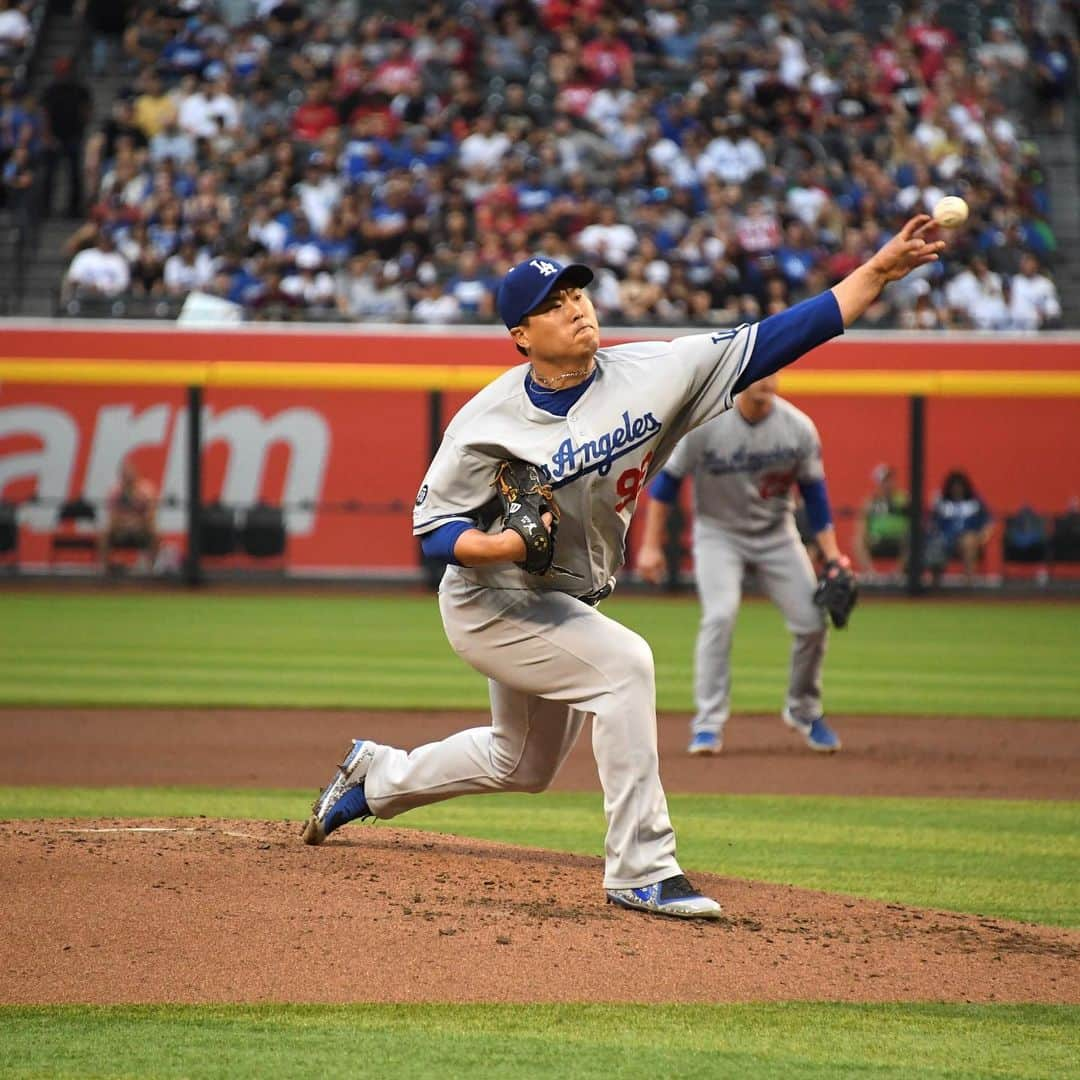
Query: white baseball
x,y
951,212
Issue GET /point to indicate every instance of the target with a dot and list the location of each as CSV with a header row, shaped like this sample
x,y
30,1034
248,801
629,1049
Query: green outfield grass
x,y
816,1042
964,658
1006,859
1010,859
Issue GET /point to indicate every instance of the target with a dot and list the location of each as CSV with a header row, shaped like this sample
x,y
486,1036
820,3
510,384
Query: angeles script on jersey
x,y
743,472
599,457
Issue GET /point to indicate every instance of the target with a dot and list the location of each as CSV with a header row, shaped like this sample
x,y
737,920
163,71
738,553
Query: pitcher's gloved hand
x,y
837,591
526,496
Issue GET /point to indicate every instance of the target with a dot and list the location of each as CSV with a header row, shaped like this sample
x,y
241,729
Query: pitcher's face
x,y
562,329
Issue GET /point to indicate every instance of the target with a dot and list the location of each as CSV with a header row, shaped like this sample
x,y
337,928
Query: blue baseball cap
x,y
528,283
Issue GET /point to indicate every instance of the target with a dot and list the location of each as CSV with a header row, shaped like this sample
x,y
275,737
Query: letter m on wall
x,y
248,438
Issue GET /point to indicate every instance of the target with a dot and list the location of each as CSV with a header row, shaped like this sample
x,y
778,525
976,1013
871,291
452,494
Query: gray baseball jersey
x,y
743,472
743,475
552,662
645,396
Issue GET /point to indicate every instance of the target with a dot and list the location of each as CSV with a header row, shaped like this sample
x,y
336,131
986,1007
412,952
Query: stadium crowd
x,y
20,128
320,160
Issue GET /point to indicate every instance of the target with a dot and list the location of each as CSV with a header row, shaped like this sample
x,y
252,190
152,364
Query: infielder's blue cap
x,y
526,285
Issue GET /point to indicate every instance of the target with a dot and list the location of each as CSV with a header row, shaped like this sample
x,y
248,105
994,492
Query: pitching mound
x,y
219,911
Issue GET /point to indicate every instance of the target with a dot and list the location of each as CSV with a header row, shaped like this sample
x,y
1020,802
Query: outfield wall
x,y
348,462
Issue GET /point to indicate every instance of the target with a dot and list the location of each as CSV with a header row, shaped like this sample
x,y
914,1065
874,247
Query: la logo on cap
x,y
545,268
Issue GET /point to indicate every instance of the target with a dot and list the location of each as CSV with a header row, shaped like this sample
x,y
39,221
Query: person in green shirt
x,y
883,522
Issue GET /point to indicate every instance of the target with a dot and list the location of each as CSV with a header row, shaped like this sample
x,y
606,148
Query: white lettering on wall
x,y
119,431
173,518
250,438
50,467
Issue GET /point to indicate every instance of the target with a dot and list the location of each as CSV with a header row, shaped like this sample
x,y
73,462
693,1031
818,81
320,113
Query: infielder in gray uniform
x,y
598,423
743,466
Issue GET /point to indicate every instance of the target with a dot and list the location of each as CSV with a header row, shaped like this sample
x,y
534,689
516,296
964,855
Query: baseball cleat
x,y
342,800
673,896
705,744
818,735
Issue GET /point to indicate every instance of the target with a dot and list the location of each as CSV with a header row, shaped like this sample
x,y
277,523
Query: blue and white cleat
x,y
342,800
673,896
705,744
818,735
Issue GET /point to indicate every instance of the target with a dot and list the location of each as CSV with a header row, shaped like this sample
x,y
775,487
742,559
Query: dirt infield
x,y
936,756
212,911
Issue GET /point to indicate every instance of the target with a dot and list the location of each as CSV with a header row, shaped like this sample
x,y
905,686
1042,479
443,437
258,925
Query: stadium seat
x,y
1024,539
68,538
9,535
263,535
1065,542
1025,546
217,531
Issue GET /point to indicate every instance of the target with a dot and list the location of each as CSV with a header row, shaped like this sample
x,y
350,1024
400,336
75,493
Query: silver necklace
x,y
552,381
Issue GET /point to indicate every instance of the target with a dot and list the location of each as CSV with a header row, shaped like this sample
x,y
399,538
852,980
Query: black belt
x,y
593,598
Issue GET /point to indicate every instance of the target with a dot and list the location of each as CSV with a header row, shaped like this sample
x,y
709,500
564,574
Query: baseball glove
x,y
837,591
525,495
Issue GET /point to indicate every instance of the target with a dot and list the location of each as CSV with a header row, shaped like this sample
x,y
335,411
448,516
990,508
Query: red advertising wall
x,y
348,463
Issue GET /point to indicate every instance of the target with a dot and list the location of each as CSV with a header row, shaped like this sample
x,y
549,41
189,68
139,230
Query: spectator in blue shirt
x,y
366,152
797,256
960,527
416,147
473,291
533,195
184,54
1054,65
20,121
679,47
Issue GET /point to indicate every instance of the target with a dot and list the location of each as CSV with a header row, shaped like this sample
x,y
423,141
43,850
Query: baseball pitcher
x,y
594,425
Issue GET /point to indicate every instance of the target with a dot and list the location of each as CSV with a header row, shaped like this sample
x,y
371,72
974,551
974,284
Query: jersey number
x,y
777,483
629,483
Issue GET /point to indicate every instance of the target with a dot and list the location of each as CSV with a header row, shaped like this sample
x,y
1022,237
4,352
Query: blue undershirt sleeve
x,y
816,497
665,488
785,336
439,543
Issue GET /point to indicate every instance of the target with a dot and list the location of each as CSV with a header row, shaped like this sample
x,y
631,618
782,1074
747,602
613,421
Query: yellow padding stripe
x,y
934,383
102,372
232,373
250,374
352,376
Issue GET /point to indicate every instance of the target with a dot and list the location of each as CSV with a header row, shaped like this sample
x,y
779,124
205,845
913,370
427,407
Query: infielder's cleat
x,y
705,744
342,800
818,735
673,896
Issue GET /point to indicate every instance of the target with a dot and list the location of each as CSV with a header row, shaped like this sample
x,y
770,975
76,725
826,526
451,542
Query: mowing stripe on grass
x,y
361,651
755,1042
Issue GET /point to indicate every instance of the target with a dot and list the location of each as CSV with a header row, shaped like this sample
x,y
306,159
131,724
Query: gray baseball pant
x,y
551,661
786,575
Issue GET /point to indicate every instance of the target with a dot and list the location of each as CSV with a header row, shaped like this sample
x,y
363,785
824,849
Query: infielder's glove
x,y
837,591
525,495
